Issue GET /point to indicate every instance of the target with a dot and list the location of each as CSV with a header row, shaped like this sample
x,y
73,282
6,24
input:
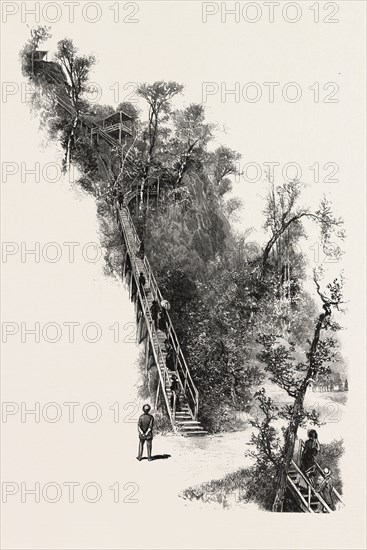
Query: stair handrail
x,y
133,228
114,127
299,494
321,472
149,322
157,349
189,385
311,487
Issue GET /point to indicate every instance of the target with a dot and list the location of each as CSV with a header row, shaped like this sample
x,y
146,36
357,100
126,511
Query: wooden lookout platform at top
x,y
118,125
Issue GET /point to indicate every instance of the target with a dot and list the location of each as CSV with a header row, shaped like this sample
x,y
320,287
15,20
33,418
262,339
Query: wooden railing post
x,y
157,395
176,356
146,352
311,489
174,406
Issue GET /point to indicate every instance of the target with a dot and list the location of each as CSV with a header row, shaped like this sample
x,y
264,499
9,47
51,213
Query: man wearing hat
x,y
145,428
325,488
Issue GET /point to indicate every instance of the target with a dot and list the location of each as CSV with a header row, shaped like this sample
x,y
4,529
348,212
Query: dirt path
x,y
194,460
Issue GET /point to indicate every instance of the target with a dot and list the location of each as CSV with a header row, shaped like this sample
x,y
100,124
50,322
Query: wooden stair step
x,y
193,434
190,427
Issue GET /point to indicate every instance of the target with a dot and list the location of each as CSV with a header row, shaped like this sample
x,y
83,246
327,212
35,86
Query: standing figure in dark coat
x,y
154,310
163,321
141,251
142,281
120,198
134,289
145,428
128,266
310,451
170,360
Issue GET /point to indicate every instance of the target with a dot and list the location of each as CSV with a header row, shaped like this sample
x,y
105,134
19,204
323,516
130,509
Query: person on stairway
x,y
163,321
141,251
170,360
128,266
142,281
120,198
166,305
324,487
310,452
175,395
167,345
133,289
145,428
154,311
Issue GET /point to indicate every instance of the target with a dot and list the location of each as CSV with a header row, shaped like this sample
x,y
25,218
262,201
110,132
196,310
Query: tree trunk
x,y
153,129
289,450
69,145
291,434
181,172
276,235
142,194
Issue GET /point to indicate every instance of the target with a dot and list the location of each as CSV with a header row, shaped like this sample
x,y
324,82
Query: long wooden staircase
x,y
185,421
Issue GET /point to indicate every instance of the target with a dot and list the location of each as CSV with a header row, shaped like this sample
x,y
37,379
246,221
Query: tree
x,y
76,68
295,376
222,163
129,109
39,34
282,214
158,96
232,205
192,135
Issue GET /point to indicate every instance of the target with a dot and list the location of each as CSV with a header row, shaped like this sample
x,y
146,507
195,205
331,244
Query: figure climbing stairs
x,y
303,491
184,421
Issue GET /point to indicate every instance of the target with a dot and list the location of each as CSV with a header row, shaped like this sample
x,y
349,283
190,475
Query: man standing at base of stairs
x,y
145,428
